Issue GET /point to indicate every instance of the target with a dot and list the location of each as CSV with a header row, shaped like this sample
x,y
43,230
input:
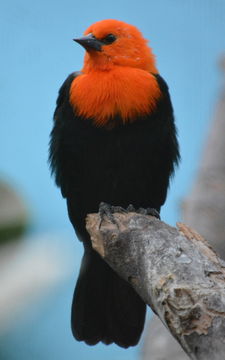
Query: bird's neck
x,y
121,91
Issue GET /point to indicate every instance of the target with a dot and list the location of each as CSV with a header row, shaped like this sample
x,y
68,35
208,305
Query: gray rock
x,y
13,213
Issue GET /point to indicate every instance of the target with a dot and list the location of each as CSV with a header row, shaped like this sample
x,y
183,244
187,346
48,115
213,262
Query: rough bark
x,y
159,344
175,271
204,210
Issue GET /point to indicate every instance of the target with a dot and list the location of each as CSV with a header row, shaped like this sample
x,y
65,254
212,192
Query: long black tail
x,y
105,307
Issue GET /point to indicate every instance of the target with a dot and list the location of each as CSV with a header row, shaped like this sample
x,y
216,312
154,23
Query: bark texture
x,y
204,210
175,272
159,344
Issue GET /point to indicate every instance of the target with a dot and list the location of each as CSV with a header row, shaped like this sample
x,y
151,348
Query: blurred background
x,y
39,254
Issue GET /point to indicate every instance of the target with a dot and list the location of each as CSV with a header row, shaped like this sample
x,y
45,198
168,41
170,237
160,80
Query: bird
x,y
113,141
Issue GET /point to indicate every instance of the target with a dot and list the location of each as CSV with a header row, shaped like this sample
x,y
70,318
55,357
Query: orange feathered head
x,y
117,77
112,42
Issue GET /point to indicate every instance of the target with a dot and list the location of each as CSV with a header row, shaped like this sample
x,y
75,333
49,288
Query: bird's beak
x,y
89,42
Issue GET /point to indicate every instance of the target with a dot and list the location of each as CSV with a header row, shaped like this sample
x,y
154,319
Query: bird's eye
x,y
109,39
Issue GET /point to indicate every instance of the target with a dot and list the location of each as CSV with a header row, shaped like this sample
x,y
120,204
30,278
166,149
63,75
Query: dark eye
x,y
109,39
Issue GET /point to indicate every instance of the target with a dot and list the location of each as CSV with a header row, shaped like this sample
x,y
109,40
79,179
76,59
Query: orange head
x,y
112,42
117,77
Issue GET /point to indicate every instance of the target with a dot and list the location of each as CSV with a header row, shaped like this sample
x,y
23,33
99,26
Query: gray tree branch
x,y
204,210
175,271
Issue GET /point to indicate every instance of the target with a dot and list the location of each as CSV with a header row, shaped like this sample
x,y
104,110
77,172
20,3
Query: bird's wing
x,y
169,117
169,156
63,115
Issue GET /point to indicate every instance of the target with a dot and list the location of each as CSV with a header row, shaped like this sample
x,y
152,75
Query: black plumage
x,y
122,164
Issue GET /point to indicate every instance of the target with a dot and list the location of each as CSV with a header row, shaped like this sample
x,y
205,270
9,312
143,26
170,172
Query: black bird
x,y
113,141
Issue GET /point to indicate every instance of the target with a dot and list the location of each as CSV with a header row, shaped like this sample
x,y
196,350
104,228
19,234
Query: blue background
x,y
37,53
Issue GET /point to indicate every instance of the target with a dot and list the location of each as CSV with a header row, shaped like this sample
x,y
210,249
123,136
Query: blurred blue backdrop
x,y
37,53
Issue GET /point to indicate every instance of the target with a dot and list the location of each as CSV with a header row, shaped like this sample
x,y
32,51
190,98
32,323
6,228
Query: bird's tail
x,y
105,307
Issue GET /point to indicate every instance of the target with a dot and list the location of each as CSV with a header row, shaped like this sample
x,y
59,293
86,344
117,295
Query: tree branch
x,y
175,271
204,210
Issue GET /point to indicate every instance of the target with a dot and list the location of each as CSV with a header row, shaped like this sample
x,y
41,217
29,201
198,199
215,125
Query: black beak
x,y
89,42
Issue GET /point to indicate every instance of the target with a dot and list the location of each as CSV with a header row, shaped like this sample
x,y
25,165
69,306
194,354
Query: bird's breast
x,y
127,92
